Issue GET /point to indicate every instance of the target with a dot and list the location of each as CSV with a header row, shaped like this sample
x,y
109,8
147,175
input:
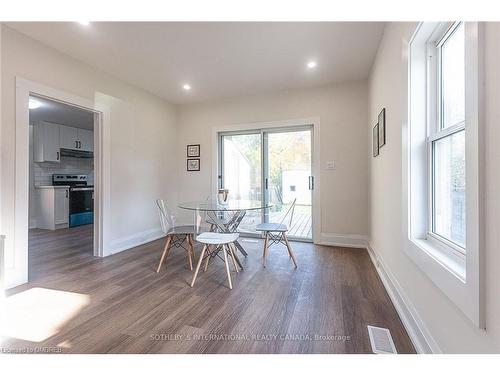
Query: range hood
x,y
77,153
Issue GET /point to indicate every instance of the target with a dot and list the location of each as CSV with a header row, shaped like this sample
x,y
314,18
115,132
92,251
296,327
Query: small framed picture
x,y
375,140
381,130
193,151
193,165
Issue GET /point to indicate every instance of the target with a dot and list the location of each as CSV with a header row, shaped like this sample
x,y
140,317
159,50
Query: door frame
x,y
313,123
25,88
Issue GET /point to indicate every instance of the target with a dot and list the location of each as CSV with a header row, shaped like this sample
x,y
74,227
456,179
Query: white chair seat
x,y
272,227
214,238
182,229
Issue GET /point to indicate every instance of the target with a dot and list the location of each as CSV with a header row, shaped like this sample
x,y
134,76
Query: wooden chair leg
x,y
290,250
231,252
189,253
235,255
164,255
208,259
227,266
264,254
198,265
191,241
190,260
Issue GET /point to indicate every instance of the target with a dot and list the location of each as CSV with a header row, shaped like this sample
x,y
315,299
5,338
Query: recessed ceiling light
x,y
84,23
311,64
34,104
186,87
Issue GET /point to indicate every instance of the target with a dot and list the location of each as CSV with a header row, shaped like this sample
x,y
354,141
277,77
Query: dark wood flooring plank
x,y
333,294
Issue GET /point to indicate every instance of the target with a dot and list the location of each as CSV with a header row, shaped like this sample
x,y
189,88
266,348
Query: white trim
x,y
316,158
419,334
135,240
343,240
17,272
2,266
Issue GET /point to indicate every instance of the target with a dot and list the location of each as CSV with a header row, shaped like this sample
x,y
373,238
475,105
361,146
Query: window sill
x,y
450,262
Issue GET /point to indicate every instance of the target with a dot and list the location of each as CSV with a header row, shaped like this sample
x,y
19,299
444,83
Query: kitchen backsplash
x,y
43,171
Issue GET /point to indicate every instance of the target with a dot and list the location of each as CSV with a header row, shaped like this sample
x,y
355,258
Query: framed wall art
x,y
193,151
193,165
375,139
381,130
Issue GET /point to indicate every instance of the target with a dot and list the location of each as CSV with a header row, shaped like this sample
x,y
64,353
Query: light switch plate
x,y
330,165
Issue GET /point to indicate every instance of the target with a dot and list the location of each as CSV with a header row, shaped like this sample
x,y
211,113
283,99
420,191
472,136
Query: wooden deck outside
x,y
301,224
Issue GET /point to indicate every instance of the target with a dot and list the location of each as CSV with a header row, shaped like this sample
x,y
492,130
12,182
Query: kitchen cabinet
x,y
86,139
52,207
61,206
46,143
76,139
68,137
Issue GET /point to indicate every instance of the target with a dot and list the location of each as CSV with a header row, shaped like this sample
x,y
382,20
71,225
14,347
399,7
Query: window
x,y
441,170
446,139
448,215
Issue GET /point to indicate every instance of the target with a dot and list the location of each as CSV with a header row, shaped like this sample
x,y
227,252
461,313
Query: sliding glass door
x,y
241,166
287,170
274,166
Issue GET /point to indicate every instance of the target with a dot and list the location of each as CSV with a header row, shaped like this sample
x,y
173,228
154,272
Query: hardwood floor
x,y
334,293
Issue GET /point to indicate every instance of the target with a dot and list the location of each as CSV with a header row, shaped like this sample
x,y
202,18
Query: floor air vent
x,y
381,340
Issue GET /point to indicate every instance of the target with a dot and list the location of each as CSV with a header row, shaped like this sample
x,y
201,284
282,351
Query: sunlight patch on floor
x,y
38,313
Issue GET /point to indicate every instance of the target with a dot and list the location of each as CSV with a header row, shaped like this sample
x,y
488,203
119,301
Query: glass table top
x,y
230,205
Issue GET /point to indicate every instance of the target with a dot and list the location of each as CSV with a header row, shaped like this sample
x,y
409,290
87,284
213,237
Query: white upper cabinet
x,y
46,143
77,139
69,137
86,140
48,139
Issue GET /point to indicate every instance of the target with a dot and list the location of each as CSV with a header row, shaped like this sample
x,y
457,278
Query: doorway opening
x,y
61,185
273,166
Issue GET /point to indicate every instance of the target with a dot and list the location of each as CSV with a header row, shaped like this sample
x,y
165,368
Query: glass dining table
x,y
226,217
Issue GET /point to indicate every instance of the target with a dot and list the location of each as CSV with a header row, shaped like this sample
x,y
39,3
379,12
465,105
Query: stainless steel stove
x,y
81,197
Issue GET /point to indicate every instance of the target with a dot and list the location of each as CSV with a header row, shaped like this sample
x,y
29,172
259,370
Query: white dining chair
x,y
176,235
213,243
275,233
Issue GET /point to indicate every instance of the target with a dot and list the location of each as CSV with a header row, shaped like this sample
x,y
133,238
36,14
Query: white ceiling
x,y
217,59
62,114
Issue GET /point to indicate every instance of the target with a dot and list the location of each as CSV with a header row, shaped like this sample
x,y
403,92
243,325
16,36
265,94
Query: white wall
x,y
342,109
143,136
1,148
450,329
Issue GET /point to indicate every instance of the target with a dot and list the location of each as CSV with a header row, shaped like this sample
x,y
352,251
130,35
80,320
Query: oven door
x,y
81,206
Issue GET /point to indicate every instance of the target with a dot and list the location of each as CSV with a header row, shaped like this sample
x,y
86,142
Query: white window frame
x,y
457,273
435,130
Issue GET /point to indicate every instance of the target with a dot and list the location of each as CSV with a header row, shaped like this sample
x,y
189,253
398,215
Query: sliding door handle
x,y
311,182
266,184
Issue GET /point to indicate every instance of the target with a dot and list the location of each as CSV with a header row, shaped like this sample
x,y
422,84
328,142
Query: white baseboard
x,y
343,240
419,334
135,240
